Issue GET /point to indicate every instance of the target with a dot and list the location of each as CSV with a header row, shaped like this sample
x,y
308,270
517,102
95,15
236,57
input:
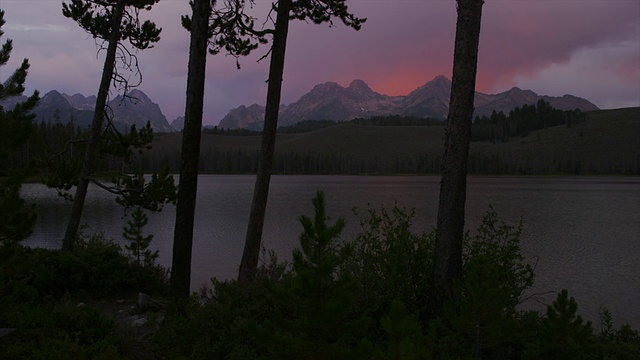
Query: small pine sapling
x,y
138,243
563,333
315,319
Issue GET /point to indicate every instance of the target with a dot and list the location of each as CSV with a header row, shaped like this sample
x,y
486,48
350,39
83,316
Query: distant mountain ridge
x,y
56,107
136,109
177,124
81,102
328,101
246,117
331,101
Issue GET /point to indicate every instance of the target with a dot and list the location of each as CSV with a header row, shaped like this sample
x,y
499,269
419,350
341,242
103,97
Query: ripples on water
x,y
583,232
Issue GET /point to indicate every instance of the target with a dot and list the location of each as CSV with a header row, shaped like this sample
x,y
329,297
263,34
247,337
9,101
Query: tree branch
x,y
65,148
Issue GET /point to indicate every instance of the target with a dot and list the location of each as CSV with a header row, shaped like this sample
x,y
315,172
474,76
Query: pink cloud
x,y
556,47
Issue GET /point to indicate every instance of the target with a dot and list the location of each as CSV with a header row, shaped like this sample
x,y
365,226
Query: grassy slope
x,y
366,141
608,142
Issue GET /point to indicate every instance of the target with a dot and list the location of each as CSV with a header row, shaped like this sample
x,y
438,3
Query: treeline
x,y
306,126
215,130
498,127
61,145
48,142
396,120
301,127
313,125
522,164
56,150
220,161
523,120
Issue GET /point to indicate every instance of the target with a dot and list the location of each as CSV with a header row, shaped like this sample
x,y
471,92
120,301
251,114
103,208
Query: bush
x,y
405,338
60,330
40,290
220,323
494,278
622,343
390,262
367,298
95,268
282,314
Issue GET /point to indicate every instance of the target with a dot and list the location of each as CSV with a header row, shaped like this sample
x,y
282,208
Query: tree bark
x,y
453,185
188,186
96,128
249,263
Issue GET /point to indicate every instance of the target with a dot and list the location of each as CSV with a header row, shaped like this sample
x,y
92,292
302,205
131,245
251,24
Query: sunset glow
x,y
588,49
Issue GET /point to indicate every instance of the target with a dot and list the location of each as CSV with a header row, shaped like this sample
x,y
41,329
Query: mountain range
x,y
331,101
136,108
328,101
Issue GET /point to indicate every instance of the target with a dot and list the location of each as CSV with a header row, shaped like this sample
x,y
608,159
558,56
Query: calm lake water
x,y
582,232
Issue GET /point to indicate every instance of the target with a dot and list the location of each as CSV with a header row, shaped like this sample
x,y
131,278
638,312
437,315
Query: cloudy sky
x,y
587,48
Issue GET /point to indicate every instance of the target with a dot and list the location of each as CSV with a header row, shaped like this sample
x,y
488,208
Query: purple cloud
x,y
586,48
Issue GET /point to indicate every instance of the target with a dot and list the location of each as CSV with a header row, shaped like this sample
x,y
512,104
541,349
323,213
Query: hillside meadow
x,y
607,143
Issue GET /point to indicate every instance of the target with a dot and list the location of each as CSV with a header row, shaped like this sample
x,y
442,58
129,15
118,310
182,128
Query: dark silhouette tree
x,y
224,27
453,185
113,22
198,25
317,11
17,219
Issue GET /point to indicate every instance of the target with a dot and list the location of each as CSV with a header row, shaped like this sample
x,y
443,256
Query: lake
x,y
583,233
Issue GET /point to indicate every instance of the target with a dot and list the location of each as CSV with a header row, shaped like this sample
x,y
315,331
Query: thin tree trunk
x,y
186,206
249,264
96,128
453,185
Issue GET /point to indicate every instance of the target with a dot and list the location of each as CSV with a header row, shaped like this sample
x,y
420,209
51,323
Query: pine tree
x,y
186,201
315,322
563,333
113,22
223,29
139,244
453,186
319,11
17,219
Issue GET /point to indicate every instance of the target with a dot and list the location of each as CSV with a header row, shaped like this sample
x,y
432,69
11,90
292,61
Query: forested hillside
x,y
599,142
606,142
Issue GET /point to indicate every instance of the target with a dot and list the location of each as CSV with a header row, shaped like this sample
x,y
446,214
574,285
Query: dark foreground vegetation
x,y
361,298
62,304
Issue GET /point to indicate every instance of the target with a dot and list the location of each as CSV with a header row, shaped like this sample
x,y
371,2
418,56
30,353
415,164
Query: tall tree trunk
x,y
186,206
96,128
249,264
453,185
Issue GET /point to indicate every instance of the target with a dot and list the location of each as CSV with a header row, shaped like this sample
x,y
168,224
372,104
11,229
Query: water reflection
x,y
582,232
